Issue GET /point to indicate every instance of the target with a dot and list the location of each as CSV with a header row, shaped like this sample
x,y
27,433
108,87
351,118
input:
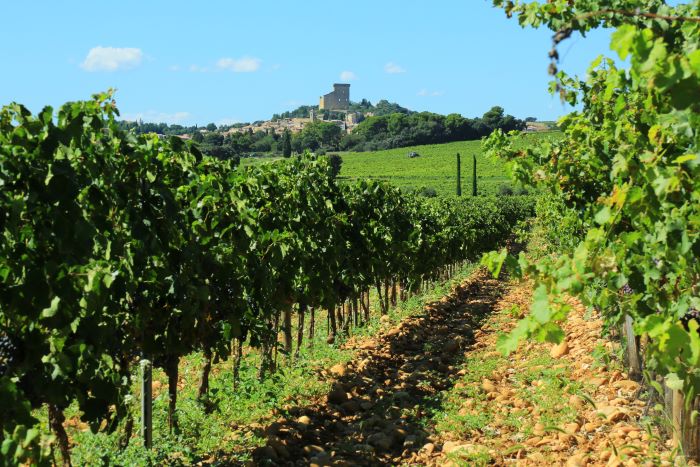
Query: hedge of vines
x,y
629,170
116,246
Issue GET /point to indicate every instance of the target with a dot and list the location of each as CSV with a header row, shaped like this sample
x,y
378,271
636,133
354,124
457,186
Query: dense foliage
x,y
161,128
399,130
302,111
317,135
119,245
626,178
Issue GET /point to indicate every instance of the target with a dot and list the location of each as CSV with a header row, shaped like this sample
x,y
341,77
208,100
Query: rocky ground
x,y
434,391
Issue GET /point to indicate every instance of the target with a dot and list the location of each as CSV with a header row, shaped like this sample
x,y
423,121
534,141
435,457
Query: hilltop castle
x,y
336,101
339,99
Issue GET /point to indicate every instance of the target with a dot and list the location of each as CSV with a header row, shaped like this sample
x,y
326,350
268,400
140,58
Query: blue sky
x,y
232,61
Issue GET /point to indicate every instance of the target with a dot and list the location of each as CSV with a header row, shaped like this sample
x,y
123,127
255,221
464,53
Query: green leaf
x,y
493,261
7,446
686,158
603,216
51,310
508,343
540,309
31,435
674,382
621,40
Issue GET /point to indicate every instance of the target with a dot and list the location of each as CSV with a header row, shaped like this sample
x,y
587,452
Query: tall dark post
x,y
459,176
146,403
474,177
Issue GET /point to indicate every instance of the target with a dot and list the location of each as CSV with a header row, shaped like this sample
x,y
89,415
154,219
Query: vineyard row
x,y
119,247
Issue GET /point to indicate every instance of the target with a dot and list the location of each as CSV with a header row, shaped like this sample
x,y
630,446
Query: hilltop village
x,y
337,123
334,107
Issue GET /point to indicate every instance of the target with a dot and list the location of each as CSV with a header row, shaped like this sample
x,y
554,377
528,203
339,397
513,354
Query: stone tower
x,y
339,99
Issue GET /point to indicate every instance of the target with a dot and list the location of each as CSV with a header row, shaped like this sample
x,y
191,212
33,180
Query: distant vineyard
x,y
434,168
119,247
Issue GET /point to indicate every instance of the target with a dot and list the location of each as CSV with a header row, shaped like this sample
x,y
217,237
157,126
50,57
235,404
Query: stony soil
x,y
572,403
433,391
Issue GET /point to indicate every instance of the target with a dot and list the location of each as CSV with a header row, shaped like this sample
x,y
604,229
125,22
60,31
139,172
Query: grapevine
x,y
629,171
119,247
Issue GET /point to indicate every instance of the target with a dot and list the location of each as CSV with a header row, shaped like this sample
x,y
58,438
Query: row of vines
x,y
624,184
118,248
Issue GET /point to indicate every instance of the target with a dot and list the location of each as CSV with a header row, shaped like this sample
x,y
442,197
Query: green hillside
x,y
434,168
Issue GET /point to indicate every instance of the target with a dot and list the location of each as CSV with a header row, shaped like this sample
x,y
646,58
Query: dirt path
x,y
433,391
569,404
374,414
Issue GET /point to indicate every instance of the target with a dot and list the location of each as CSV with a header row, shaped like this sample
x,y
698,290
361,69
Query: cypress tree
x,y
286,143
459,176
474,177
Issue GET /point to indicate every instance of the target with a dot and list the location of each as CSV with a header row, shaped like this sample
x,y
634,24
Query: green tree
x,y
494,116
286,143
336,162
459,176
474,191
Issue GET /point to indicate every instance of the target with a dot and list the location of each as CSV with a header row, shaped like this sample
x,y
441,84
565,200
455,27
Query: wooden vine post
x,y
683,418
147,403
685,423
690,429
633,358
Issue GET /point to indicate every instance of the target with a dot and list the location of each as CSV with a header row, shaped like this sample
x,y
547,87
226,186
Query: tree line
x,y
400,130
374,133
391,126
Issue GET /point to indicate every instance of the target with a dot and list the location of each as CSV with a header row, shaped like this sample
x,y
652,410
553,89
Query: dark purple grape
x,y
691,314
8,353
626,290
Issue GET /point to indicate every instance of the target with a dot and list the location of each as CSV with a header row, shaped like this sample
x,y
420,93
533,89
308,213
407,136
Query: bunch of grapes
x,y
9,353
626,290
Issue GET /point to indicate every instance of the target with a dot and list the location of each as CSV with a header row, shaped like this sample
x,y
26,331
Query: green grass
x,y
435,168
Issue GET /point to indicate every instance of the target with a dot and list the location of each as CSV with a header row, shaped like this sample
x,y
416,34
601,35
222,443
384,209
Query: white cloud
x,y
239,65
112,59
424,92
392,68
158,117
174,68
347,76
198,69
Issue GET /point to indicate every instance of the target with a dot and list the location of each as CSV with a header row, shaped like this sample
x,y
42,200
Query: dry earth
x,y
433,391
569,404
